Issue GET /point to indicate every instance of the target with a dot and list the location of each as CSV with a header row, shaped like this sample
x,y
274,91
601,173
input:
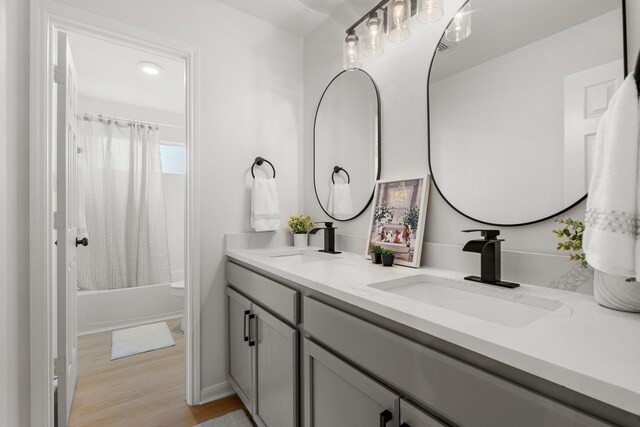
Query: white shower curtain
x,y
121,191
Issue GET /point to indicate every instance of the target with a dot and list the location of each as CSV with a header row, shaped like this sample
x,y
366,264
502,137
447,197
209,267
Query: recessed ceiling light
x,y
150,68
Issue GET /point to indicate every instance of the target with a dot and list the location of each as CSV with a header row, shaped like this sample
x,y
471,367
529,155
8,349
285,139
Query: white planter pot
x,y
301,240
616,293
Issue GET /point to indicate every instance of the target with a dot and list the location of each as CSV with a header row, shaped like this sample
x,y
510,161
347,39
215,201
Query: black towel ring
x,y
259,161
337,169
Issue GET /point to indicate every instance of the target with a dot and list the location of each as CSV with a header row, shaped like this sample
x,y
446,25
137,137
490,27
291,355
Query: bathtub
x,y
118,308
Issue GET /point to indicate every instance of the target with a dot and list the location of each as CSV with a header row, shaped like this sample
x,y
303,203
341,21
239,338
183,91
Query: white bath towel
x,y
265,213
611,235
340,204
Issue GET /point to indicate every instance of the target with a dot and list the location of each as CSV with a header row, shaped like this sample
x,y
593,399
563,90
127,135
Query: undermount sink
x,y
299,255
506,307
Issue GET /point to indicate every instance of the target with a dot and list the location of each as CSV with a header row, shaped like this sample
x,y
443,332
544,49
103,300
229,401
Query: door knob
x,y
84,242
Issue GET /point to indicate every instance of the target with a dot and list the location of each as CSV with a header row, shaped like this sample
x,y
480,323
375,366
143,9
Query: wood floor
x,y
142,390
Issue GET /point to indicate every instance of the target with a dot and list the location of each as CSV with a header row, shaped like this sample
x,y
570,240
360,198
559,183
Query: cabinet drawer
x,y
278,298
455,390
412,416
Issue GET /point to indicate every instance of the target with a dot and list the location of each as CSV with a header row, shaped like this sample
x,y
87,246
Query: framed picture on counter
x,y
398,218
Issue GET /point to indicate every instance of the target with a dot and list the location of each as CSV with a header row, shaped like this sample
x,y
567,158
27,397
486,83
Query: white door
x,y
586,99
66,224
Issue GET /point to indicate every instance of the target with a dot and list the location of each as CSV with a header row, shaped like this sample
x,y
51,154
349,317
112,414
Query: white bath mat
x,y
233,419
127,342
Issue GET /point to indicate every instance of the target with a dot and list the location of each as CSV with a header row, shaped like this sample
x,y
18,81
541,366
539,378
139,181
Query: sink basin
x,y
299,255
506,307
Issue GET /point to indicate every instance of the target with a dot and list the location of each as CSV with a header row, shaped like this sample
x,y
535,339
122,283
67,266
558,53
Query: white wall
x,y
14,213
401,75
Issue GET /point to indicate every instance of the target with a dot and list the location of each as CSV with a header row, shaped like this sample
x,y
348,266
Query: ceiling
x,y
110,71
299,17
501,26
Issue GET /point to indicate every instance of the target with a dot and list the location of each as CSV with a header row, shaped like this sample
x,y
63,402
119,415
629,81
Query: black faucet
x,y
329,237
489,250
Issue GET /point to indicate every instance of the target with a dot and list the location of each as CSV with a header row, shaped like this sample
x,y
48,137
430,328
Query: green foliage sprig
x,y
376,249
300,224
411,217
570,236
388,252
383,214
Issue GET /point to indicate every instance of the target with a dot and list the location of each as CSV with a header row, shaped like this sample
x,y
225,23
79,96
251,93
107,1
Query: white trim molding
x,y
47,17
215,392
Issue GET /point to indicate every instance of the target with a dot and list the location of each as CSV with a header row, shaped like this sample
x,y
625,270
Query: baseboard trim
x,y
132,324
215,392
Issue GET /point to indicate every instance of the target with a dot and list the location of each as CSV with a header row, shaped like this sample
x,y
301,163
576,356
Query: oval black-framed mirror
x,y
515,91
347,145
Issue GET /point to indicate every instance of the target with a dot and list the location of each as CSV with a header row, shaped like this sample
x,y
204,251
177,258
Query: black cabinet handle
x,y
244,325
84,242
385,417
251,341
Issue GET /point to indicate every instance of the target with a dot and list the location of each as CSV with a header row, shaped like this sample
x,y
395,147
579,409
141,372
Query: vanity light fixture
x,y
350,51
373,35
430,11
150,68
399,15
393,17
460,27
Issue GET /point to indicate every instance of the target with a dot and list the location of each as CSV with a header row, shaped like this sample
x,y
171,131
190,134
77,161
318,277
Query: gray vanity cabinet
x,y
412,416
240,353
263,353
337,394
276,370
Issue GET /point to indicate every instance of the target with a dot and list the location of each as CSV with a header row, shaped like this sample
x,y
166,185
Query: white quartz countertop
x,y
582,346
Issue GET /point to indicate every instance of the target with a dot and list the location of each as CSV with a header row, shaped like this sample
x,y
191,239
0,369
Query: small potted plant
x,y
387,257
300,226
376,254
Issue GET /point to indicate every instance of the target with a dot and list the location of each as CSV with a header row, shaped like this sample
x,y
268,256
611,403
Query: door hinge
x,y
59,366
58,220
58,75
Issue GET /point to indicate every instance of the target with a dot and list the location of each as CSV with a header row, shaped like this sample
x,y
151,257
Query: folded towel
x,y
611,236
265,213
340,201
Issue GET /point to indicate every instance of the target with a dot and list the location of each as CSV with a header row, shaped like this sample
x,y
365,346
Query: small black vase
x,y
376,258
387,260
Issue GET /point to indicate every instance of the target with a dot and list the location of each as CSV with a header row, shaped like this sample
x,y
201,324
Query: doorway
x,y
124,283
68,286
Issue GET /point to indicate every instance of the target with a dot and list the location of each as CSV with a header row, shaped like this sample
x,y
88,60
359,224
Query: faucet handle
x,y
487,234
327,224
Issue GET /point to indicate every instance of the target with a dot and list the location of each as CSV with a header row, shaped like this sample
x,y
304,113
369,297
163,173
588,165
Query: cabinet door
x,y
276,359
337,394
412,416
239,351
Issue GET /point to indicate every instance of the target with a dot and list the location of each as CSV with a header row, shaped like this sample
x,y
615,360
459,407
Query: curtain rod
x,y
124,119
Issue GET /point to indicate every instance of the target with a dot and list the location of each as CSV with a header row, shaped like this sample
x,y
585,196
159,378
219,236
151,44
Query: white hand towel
x,y
265,213
611,235
340,204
